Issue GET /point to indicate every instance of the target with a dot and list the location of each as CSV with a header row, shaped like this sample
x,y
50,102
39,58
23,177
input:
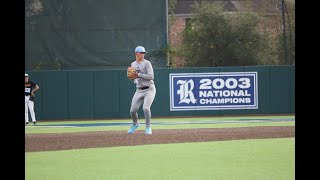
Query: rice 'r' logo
x,y
185,91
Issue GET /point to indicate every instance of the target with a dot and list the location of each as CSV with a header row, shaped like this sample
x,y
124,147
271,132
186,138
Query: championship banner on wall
x,y
213,91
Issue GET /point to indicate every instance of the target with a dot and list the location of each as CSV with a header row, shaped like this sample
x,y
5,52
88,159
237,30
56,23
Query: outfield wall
x,y
102,94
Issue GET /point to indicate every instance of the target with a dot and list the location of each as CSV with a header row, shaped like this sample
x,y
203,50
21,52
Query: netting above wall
x,y
90,34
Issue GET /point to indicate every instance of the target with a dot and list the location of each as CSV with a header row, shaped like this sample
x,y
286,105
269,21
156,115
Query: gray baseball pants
x,y
146,97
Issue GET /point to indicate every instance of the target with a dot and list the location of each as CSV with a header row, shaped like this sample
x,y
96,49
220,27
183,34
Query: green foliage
x,y
55,65
171,12
38,66
157,55
171,6
216,38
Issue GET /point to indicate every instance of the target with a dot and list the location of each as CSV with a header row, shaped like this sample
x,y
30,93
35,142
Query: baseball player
x,y
30,88
145,90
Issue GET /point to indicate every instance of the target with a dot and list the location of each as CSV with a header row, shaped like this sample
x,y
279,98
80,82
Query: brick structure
x,y
175,39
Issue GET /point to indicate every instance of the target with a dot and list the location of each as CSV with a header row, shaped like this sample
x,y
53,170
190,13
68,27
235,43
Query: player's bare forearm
x,y
35,89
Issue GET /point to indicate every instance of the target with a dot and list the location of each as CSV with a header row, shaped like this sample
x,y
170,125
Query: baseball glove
x,y
132,73
32,97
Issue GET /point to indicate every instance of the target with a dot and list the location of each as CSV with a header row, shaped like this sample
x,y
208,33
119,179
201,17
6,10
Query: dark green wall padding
x,y
106,94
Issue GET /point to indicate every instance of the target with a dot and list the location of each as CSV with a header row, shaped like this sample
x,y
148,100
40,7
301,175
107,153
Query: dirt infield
x,y
65,141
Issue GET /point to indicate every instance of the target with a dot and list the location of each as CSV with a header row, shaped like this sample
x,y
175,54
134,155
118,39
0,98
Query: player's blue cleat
x,y
133,128
148,130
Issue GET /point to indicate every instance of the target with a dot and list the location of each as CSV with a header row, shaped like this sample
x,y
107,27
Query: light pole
x,y
284,32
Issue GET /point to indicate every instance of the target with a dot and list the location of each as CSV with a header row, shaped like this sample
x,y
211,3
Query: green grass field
x,y
255,159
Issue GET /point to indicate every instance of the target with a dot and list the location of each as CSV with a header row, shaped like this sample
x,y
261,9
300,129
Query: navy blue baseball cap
x,y
140,49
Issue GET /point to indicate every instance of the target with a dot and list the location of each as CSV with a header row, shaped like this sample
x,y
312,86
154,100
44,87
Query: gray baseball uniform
x,y
145,91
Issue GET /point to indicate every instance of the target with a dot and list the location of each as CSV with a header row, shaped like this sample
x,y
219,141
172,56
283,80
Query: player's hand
x,y
132,73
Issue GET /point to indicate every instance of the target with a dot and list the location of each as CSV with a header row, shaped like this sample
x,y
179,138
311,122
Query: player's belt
x,y
145,87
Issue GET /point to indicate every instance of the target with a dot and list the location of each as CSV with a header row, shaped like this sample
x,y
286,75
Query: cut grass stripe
x,y
61,129
269,159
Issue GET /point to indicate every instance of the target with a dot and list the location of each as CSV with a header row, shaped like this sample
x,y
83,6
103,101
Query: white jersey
x,y
145,73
